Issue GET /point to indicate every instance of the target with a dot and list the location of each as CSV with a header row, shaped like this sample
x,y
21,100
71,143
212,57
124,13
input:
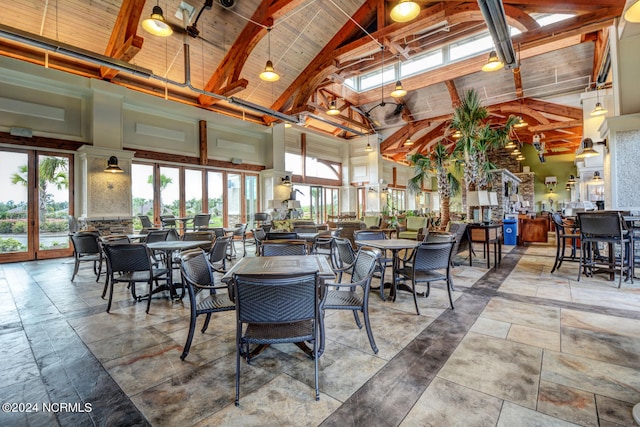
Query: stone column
x,y
105,198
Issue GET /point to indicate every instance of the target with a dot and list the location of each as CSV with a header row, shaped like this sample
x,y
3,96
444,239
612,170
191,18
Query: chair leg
x,y
149,298
75,269
110,294
192,327
99,270
106,284
206,322
367,325
555,263
415,297
355,315
449,282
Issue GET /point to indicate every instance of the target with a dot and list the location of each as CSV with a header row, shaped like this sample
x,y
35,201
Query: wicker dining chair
x,y
218,253
197,276
430,262
274,310
284,247
86,248
383,261
133,263
354,295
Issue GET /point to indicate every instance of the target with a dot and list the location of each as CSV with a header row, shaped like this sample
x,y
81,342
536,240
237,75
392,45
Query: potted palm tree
x,y
477,137
436,162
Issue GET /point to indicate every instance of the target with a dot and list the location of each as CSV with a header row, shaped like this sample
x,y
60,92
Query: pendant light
x,y
510,145
156,23
333,109
399,90
269,74
598,110
368,148
408,142
633,13
405,11
493,63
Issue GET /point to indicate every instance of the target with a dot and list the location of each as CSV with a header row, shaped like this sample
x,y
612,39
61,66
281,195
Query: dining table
x,y
278,265
395,246
168,247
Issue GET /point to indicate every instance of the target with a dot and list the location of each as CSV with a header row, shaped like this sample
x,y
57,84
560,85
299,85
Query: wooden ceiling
x,y
316,44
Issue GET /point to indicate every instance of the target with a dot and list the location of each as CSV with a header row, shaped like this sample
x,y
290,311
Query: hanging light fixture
x,y
112,165
598,110
521,123
405,11
399,90
269,74
571,180
510,145
493,63
368,148
156,23
408,142
333,109
586,149
520,157
633,13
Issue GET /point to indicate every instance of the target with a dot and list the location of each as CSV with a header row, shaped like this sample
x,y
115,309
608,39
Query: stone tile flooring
x,y
522,347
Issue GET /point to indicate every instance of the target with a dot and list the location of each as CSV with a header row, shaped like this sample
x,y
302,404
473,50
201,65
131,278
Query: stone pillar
x,y
104,197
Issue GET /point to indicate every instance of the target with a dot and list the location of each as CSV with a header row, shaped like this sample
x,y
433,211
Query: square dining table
x,y
277,265
395,246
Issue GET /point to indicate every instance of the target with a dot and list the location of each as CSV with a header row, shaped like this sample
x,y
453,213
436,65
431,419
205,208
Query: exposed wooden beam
x,y
124,43
453,93
556,125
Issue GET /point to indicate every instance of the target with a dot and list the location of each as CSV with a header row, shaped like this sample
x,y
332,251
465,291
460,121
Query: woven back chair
x,y
168,221
259,236
383,261
86,248
430,262
274,310
607,227
157,236
132,263
281,235
208,236
197,276
564,233
284,247
201,221
344,256
218,253
354,295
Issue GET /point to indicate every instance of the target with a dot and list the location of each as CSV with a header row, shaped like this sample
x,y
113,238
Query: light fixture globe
x,y
333,109
156,23
633,15
493,63
405,11
112,165
408,142
586,149
269,74
521,123
599,110
399,90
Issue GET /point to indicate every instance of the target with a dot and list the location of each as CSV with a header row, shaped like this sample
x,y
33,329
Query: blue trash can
x,y
510,229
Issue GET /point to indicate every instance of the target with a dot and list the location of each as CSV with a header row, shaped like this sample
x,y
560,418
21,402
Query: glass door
x,y
53,206
34,219
15,224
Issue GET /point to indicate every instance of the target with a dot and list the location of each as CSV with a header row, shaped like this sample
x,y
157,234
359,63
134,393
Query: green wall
x,y
560,166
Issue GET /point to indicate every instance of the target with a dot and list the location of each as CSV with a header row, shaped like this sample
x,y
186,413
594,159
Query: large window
x,y
215,182
396,200
230,197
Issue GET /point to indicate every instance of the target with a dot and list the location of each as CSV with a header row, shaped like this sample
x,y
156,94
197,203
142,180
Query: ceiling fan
x,y
399,106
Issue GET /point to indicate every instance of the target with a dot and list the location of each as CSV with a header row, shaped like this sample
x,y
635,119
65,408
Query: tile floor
x,y
523,347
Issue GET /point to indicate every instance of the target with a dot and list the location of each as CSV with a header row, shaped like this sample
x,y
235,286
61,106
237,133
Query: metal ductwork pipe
x,y
494,16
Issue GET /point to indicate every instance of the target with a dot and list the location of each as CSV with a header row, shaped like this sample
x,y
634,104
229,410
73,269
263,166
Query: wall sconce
x,y
586,149
372,190
596,176
571,180
286,180
112,165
